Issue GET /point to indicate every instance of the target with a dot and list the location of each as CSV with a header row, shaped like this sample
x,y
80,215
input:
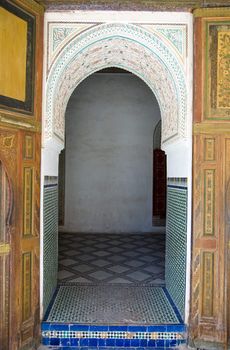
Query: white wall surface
x,y
110,121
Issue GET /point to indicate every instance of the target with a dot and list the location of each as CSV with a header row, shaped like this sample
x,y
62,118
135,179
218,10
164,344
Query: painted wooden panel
x,y
208,267
28,201
5,248
208,318
26,285
4,300
20,146
29,147
209,201
8,165
208,301
17,32
30,165
13,44
217,72
227,217
209,149
223,69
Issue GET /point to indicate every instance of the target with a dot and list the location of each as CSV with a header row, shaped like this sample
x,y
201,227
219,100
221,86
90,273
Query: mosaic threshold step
x,y
112,317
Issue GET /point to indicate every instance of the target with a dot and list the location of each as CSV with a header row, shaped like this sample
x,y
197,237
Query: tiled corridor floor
x,y
111,258
111,295
113,304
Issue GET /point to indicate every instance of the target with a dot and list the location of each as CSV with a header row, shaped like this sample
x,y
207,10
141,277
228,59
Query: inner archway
x,y
110,121
108,237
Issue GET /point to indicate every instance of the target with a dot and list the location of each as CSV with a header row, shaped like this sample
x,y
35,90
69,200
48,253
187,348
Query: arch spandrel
x,y
118,45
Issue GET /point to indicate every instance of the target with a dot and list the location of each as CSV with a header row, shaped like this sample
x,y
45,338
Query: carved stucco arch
x,y
126,46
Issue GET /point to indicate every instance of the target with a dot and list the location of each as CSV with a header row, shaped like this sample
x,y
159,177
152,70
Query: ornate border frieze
x,y
154,53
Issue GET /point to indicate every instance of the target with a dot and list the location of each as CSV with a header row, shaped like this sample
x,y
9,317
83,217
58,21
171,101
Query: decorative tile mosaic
x,y
125,46
157,338
125,334
177,182
50,239
112,304
112,258
176,241
111,335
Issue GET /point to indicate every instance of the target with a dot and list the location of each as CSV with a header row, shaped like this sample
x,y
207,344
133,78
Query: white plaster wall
x,y
110,121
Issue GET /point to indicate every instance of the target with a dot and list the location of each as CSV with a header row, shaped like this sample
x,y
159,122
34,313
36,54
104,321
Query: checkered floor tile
x,y
112,304
111,258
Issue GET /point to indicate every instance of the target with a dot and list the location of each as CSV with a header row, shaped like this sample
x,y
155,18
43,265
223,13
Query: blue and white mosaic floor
x,y
84,317
112,258
111,295
112,304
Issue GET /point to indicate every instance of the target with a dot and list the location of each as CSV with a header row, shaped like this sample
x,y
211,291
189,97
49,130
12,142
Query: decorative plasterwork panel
x,y
171,34
59,35
156,56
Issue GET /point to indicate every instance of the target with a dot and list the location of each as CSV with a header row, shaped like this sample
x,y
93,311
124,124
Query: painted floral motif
x,y
175,35
59,34
223,82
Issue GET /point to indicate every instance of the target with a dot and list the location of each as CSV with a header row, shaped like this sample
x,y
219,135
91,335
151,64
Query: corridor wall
x,y
110,121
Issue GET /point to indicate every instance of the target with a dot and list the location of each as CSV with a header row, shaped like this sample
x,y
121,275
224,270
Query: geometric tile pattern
x,y
80,337
112,304
176,242
111,258
50,240
111,335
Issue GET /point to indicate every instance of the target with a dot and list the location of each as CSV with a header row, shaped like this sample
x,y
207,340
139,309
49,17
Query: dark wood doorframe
x,y
159,185
61,188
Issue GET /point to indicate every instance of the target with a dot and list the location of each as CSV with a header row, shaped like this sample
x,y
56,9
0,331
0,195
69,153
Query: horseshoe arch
x,y
125,46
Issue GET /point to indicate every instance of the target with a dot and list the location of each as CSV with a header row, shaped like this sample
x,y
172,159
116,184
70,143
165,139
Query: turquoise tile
x,y
176,243
50,243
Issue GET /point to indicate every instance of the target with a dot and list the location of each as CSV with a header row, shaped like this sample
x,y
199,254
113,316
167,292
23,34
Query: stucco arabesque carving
x,y
120,45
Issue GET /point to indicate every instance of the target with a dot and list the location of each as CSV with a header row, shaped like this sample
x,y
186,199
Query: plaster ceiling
x,y
148,5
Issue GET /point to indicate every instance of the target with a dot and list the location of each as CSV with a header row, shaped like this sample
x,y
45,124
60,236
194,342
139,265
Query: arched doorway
x,y
145,55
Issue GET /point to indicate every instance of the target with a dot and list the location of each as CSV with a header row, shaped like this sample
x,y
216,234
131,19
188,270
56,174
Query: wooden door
x,y
21,25
210,312
159,183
